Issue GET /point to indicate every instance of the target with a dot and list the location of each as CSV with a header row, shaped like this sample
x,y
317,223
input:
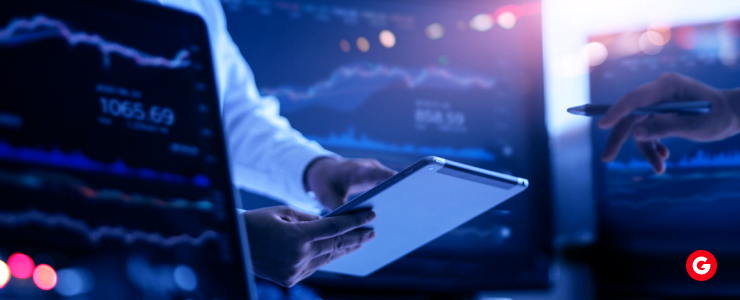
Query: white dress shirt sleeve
x,y
268,156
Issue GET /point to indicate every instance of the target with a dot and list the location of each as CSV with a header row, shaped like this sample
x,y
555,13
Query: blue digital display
x,y
113,169
694,204
400,80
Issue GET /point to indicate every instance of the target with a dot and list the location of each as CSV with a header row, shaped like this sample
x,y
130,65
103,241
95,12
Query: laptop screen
x,y
114,181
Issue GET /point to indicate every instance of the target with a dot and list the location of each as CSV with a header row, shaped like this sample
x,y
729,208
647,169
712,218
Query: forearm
x,y
267,155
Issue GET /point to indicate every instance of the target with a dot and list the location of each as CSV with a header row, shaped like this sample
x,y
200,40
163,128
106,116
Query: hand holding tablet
x,y
419,204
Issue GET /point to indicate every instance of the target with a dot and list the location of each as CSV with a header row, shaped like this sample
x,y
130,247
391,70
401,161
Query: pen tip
x,y
578,110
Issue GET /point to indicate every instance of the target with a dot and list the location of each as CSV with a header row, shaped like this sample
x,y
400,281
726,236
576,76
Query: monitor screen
x,y
401,80
113,169
701,178
659,220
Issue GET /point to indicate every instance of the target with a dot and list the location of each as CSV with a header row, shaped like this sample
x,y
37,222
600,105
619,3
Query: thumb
x,y
367,175
372,172
331,195
333,226
661,126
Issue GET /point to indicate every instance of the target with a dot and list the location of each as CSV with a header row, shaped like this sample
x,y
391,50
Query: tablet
x,y
419,204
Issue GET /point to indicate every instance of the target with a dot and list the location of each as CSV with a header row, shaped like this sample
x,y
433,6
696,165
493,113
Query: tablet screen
x,y
420,204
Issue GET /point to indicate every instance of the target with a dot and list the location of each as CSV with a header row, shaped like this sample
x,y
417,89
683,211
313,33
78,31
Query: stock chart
x,y
112,164
648,213
400,80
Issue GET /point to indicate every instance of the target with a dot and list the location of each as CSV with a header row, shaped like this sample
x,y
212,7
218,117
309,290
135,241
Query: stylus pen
x,y
684,108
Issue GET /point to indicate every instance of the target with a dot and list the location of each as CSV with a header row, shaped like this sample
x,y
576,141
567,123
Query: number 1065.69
x,y
137,111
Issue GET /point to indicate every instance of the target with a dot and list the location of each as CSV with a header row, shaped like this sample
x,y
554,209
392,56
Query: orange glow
x,y
506,16
387,38
663,29
625,44
507,20
45,277
4,274
596,53
481,22
344,45
655,38
435,31
648,46
363,44
528,9
21,266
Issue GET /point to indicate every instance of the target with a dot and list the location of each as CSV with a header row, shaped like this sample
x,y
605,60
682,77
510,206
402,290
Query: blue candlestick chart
x,y
79,161
40,27
96,235
349,140
350,86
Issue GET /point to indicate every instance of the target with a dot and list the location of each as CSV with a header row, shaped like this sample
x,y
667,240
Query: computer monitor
x,y
114,176
652,223
400,80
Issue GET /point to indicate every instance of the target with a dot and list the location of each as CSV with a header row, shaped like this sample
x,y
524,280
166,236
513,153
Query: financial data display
x,y
694,205
113,173
400,80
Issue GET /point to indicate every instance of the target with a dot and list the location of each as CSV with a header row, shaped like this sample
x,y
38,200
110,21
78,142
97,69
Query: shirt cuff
x,y
297,165
284,182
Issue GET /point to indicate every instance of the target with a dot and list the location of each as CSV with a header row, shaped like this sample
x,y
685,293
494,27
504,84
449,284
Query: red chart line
x,y
95,235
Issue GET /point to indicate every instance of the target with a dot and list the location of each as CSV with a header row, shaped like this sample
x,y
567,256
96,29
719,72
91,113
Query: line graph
x,y
77,160
41,27
96,235
349,86
41,180
113,195
700,160
662,201
349,140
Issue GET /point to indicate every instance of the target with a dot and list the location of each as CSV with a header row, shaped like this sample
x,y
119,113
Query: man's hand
x,y
332,179
288,245
721,122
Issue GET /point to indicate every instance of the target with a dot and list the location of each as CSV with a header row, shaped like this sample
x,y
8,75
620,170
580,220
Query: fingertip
x,y
606,157
658,164
370,216
604,123
371,235
663,151
660,170
385,173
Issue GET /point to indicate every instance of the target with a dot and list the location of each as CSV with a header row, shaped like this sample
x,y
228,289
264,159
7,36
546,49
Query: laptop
x,y
114,176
